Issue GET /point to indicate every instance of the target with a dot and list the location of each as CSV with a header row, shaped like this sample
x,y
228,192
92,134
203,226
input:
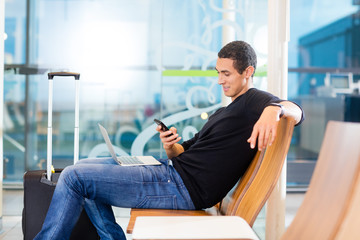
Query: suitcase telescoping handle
x,y
51,75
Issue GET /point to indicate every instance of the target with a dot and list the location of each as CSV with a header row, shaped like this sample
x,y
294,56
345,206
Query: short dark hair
x,y
242,54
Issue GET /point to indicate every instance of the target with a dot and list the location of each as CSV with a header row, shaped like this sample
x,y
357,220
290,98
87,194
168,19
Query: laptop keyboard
x,y
130,160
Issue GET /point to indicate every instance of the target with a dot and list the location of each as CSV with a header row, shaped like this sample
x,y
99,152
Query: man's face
x,y
233,83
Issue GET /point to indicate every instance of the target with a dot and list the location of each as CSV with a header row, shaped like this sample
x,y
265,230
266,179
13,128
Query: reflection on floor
x,y
13,204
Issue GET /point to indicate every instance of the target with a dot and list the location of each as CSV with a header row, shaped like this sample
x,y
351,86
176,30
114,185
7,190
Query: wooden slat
x,y
349,228
267,172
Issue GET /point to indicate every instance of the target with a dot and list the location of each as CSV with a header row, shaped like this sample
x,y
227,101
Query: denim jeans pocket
x,y
165,202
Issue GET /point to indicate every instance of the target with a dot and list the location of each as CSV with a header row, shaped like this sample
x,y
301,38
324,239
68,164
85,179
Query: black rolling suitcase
x,y
39,185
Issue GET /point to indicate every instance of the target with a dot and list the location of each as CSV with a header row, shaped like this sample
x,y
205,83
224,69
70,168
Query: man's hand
x,y
170,142
264,130
167,140
268,123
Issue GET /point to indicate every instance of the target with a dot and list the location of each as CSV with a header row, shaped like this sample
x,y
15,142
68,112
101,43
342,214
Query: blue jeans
x,y
98,184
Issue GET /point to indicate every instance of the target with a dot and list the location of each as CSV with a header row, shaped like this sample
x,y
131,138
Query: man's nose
x,y
220,80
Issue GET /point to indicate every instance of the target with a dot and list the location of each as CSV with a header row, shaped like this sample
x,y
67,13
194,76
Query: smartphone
x,y
163,126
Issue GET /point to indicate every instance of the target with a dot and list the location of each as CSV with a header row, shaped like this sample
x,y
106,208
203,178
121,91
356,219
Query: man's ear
x,y
249,71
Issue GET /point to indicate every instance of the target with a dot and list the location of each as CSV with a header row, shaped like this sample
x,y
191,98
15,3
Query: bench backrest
x,y
255,187
329,202
349,228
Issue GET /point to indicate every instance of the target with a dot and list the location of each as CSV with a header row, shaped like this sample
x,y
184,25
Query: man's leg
x,y
64,211
102,216
104,160
107,184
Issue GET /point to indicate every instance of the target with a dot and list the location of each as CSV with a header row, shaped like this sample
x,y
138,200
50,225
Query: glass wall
x,y
138,60
147,59
324,72
14,90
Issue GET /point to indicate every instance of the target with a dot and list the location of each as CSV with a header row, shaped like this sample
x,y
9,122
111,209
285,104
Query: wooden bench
x,y
330,209
253,189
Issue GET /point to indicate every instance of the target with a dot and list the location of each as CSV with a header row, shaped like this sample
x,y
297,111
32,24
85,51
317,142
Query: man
x,y
197,174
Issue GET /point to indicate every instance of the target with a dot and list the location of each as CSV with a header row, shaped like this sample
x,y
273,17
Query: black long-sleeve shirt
x,y
219,154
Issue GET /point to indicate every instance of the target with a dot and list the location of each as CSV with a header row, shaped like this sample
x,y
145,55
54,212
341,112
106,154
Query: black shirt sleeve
x,y
190,142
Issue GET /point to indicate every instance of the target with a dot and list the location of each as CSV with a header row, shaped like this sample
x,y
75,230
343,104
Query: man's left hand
x,y
264,130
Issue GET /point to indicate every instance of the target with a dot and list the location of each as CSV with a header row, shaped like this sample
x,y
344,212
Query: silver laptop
x,y
127,160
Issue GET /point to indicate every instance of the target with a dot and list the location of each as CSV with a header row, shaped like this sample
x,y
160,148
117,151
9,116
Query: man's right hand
x,y
167,139
170,142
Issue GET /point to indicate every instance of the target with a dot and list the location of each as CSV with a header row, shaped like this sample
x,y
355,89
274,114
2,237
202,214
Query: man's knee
x,y
68,174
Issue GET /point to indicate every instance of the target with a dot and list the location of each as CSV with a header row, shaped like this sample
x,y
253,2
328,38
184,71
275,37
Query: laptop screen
x,y
107,141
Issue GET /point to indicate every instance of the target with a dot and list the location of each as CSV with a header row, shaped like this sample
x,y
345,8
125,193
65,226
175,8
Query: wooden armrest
x,y
135,212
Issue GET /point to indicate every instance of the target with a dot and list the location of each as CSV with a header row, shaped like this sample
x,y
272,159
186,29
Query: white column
x,y
278,37
2,31
228,33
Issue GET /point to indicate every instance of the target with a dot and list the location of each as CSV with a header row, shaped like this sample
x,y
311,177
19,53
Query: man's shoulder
x,y
254,93
258,92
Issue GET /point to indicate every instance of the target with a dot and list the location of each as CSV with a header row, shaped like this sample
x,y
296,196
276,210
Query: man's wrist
x,y
280,106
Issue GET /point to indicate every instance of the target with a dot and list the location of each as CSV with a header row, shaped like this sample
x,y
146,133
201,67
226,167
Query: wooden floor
x,y
13,204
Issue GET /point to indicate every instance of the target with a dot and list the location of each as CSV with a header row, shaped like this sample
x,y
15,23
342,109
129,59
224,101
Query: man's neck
x,y
246,88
